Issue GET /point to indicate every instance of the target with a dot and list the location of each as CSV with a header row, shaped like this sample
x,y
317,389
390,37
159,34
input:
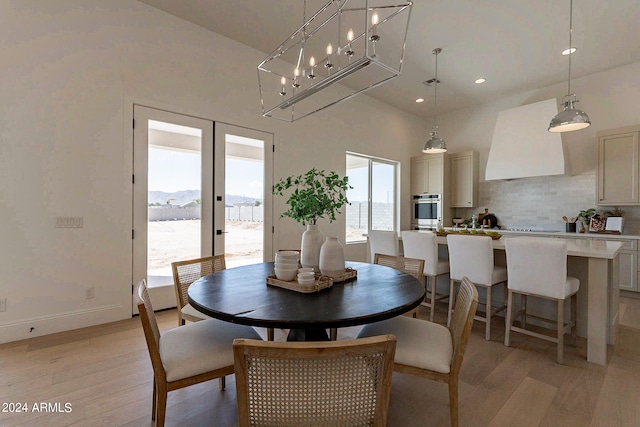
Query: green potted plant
x,y
316,194
585,218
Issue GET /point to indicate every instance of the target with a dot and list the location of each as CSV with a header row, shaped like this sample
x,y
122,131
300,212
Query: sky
x,y
172,171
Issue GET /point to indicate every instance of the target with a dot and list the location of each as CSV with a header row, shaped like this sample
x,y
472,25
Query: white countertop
x,y
588,248
576,235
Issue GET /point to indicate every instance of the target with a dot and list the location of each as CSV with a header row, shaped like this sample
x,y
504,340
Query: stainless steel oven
x,y
426,210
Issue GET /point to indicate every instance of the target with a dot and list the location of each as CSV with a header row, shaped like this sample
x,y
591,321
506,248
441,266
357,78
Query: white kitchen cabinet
x,y
464,179
428,173
618,162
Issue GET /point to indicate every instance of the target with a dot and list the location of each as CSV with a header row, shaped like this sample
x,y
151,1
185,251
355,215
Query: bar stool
x,y
423,245
538,267
383,242
472,256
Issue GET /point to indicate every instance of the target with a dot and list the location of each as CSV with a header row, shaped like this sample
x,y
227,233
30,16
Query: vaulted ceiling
x,y
514,44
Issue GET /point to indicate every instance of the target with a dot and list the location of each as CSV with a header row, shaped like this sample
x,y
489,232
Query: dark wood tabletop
x,y
241,295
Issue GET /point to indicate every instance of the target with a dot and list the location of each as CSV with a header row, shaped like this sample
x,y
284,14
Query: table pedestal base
x,y
307,335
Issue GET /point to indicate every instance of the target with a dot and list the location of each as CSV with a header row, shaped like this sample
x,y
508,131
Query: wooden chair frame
x,y
246,351
187,272
161,387
412,266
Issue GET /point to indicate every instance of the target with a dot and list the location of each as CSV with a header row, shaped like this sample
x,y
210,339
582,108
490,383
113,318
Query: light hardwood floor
x,y
104,373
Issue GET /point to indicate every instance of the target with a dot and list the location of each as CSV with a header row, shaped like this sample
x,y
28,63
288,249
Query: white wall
x,y
71,72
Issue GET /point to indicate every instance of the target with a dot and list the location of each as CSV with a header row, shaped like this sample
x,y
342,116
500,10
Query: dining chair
x,y
430,350
538,267
472,257
188,354
187,272
424,245
383,242
411,266
330,383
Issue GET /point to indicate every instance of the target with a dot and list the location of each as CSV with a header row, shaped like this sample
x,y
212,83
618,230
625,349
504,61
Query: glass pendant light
x,y
569,118
435,144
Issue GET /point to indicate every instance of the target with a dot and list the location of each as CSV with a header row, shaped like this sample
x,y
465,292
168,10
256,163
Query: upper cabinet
x,y
617,173
464,179
428,173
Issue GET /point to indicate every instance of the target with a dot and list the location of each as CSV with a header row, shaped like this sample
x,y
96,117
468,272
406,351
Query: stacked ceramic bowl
x,y
306,276
286,266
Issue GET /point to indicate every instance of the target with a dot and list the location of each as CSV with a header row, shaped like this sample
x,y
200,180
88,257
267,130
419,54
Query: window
x,y
373,197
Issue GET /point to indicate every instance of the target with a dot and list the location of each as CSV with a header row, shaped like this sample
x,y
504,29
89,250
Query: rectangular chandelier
x,y
357,43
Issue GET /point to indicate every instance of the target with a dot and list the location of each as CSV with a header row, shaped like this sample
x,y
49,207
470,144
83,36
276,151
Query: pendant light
x,y
435,144
570,118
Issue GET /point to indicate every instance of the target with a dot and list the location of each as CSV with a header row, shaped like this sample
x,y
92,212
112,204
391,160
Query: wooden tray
x,y
322,282
349,273
446,233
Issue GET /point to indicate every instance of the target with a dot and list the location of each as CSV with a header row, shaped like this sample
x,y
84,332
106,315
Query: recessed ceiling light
x,y
481,80
419,100
569,51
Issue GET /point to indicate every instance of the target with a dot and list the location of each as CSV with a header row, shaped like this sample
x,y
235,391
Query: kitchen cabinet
x,y
618,162
464,179
428,174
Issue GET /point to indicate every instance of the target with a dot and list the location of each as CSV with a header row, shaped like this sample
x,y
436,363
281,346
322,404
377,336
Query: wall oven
x,y
426,211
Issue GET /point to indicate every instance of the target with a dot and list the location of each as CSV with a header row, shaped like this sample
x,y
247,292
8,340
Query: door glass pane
x,y
244,200
174,198
382,196
357,214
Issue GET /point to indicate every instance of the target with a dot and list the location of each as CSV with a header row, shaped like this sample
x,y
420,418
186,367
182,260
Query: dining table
x,y
241,295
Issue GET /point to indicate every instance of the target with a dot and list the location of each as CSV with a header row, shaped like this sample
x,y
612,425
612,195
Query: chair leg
x,y
154,403
270,334
487,333
560,330
509,319
452,297
434,282
333,332
523,320
453,402
162,405
574,320
222,383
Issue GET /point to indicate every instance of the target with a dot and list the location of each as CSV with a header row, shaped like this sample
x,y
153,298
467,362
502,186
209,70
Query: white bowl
x,y
305,270
287,265
287,255
286,275
306,275
306,281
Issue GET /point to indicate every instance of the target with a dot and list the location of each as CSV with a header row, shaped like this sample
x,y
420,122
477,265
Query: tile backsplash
x,y
539,203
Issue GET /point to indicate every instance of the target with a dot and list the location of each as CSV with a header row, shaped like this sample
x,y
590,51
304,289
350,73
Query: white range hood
x,y
522,147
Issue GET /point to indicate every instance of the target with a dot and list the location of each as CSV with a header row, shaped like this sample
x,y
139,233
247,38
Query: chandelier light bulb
x,y
349,51
283,81
328,64
296,74
312,64
375,19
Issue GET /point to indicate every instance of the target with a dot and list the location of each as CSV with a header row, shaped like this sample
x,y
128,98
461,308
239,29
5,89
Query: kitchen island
x,y
595,263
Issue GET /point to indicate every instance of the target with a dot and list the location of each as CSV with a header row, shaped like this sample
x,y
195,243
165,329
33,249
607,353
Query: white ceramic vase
x,y
312,240
331,257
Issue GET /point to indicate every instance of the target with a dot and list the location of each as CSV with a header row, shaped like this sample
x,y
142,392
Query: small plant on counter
x,y
587,214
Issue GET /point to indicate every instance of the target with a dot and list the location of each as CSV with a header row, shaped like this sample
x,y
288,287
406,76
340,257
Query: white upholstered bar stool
x,y
472,256
383,242
538,267
424,245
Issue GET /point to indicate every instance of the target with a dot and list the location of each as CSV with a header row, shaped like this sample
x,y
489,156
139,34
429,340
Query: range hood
x,y
522,147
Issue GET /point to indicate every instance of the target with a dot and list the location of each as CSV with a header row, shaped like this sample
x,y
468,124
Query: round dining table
x,y
241,295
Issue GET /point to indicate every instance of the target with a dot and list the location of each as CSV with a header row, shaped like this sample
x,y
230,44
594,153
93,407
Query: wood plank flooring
x,y
103,375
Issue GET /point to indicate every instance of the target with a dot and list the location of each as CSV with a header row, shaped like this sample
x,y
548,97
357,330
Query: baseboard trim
x,y
46,325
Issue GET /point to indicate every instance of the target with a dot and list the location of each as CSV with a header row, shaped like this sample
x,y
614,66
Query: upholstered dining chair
x,y
187,272
472,257
424,245
329,383
188,354
383,242
538,267
430,350
410,266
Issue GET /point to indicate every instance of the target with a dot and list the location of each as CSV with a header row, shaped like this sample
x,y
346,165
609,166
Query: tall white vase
x,y
312,240
331,258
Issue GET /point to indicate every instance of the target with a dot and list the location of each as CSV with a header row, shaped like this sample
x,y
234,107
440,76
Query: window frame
x,y
396,186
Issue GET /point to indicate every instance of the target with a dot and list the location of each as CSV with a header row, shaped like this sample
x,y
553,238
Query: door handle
x,y
219,232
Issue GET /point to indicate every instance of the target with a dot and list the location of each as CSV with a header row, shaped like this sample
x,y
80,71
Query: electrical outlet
x,y
3,304
90,293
